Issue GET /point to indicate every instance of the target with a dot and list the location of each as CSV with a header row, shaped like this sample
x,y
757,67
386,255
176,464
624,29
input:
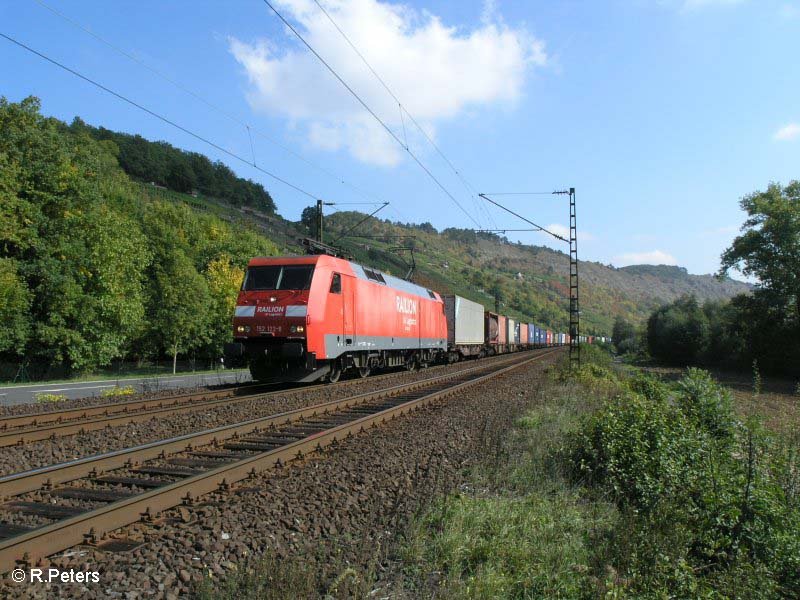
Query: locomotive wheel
x,y
363,371
412,365
258,369
335,372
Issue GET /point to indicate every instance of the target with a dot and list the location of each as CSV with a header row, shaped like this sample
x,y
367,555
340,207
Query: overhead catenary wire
x,y
522,193
251,129
370,111
158,116
519,216
470,189
354,227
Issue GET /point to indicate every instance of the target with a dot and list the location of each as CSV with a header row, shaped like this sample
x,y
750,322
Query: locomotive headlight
x,y
297,329
243,329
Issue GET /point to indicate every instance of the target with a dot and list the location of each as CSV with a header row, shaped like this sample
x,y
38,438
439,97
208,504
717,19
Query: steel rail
x,y
35,545
27,481
19,429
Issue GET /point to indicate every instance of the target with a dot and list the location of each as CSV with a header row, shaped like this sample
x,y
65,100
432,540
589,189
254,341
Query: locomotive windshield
x,y
278,277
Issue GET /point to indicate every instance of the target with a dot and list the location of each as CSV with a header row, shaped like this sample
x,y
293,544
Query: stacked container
x,y
502,328
465,326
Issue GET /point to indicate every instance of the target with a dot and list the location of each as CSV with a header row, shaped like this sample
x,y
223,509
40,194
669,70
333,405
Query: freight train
x,y
316,317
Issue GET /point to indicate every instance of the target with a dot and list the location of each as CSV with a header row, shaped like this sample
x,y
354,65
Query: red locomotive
x,y
315,317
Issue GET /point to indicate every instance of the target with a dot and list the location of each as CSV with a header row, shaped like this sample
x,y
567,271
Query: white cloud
x,y
653,257
787,133
437,71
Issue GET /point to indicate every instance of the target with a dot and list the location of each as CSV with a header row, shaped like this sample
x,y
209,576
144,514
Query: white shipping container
x,y
465,321
512,324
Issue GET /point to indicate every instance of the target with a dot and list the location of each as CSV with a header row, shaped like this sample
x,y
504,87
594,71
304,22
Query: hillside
x,y
532,281
99,261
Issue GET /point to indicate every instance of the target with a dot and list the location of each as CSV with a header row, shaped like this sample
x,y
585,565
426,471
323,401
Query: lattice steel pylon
x,y
574,304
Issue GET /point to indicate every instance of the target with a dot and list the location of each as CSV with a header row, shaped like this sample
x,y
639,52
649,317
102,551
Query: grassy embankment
x,y
622,486
615,484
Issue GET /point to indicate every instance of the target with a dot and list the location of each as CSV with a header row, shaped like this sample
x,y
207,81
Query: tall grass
x,y
620,487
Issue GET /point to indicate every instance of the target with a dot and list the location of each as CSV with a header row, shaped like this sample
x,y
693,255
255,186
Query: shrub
x,y
635,448
648,386
706,402
43,398
118,391
709,503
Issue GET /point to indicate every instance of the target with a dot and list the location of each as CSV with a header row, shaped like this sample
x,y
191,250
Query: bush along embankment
x,y
620,486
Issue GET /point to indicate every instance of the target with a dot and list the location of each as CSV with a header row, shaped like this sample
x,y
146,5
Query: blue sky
x,y
661,114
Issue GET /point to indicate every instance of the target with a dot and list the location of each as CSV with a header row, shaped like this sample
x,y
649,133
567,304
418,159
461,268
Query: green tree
x,y
224,280
678,332
79,257
622,332
769,250
92,269
769,247
15,300
181,301
309,218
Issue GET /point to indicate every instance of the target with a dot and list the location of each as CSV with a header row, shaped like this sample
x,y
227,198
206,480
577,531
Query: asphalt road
x,y
20,394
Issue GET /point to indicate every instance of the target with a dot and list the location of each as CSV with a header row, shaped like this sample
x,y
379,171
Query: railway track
x,y
20,429
50,509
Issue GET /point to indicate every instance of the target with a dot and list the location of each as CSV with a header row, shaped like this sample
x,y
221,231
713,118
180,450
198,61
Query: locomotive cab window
x,y
278,277
336,284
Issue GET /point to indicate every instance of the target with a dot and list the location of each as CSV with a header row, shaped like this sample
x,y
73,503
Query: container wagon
x,y
495,333
502,322
465,328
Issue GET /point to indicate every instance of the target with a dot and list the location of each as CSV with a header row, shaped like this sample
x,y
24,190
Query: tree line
x,y
763,326
90,270
165,165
